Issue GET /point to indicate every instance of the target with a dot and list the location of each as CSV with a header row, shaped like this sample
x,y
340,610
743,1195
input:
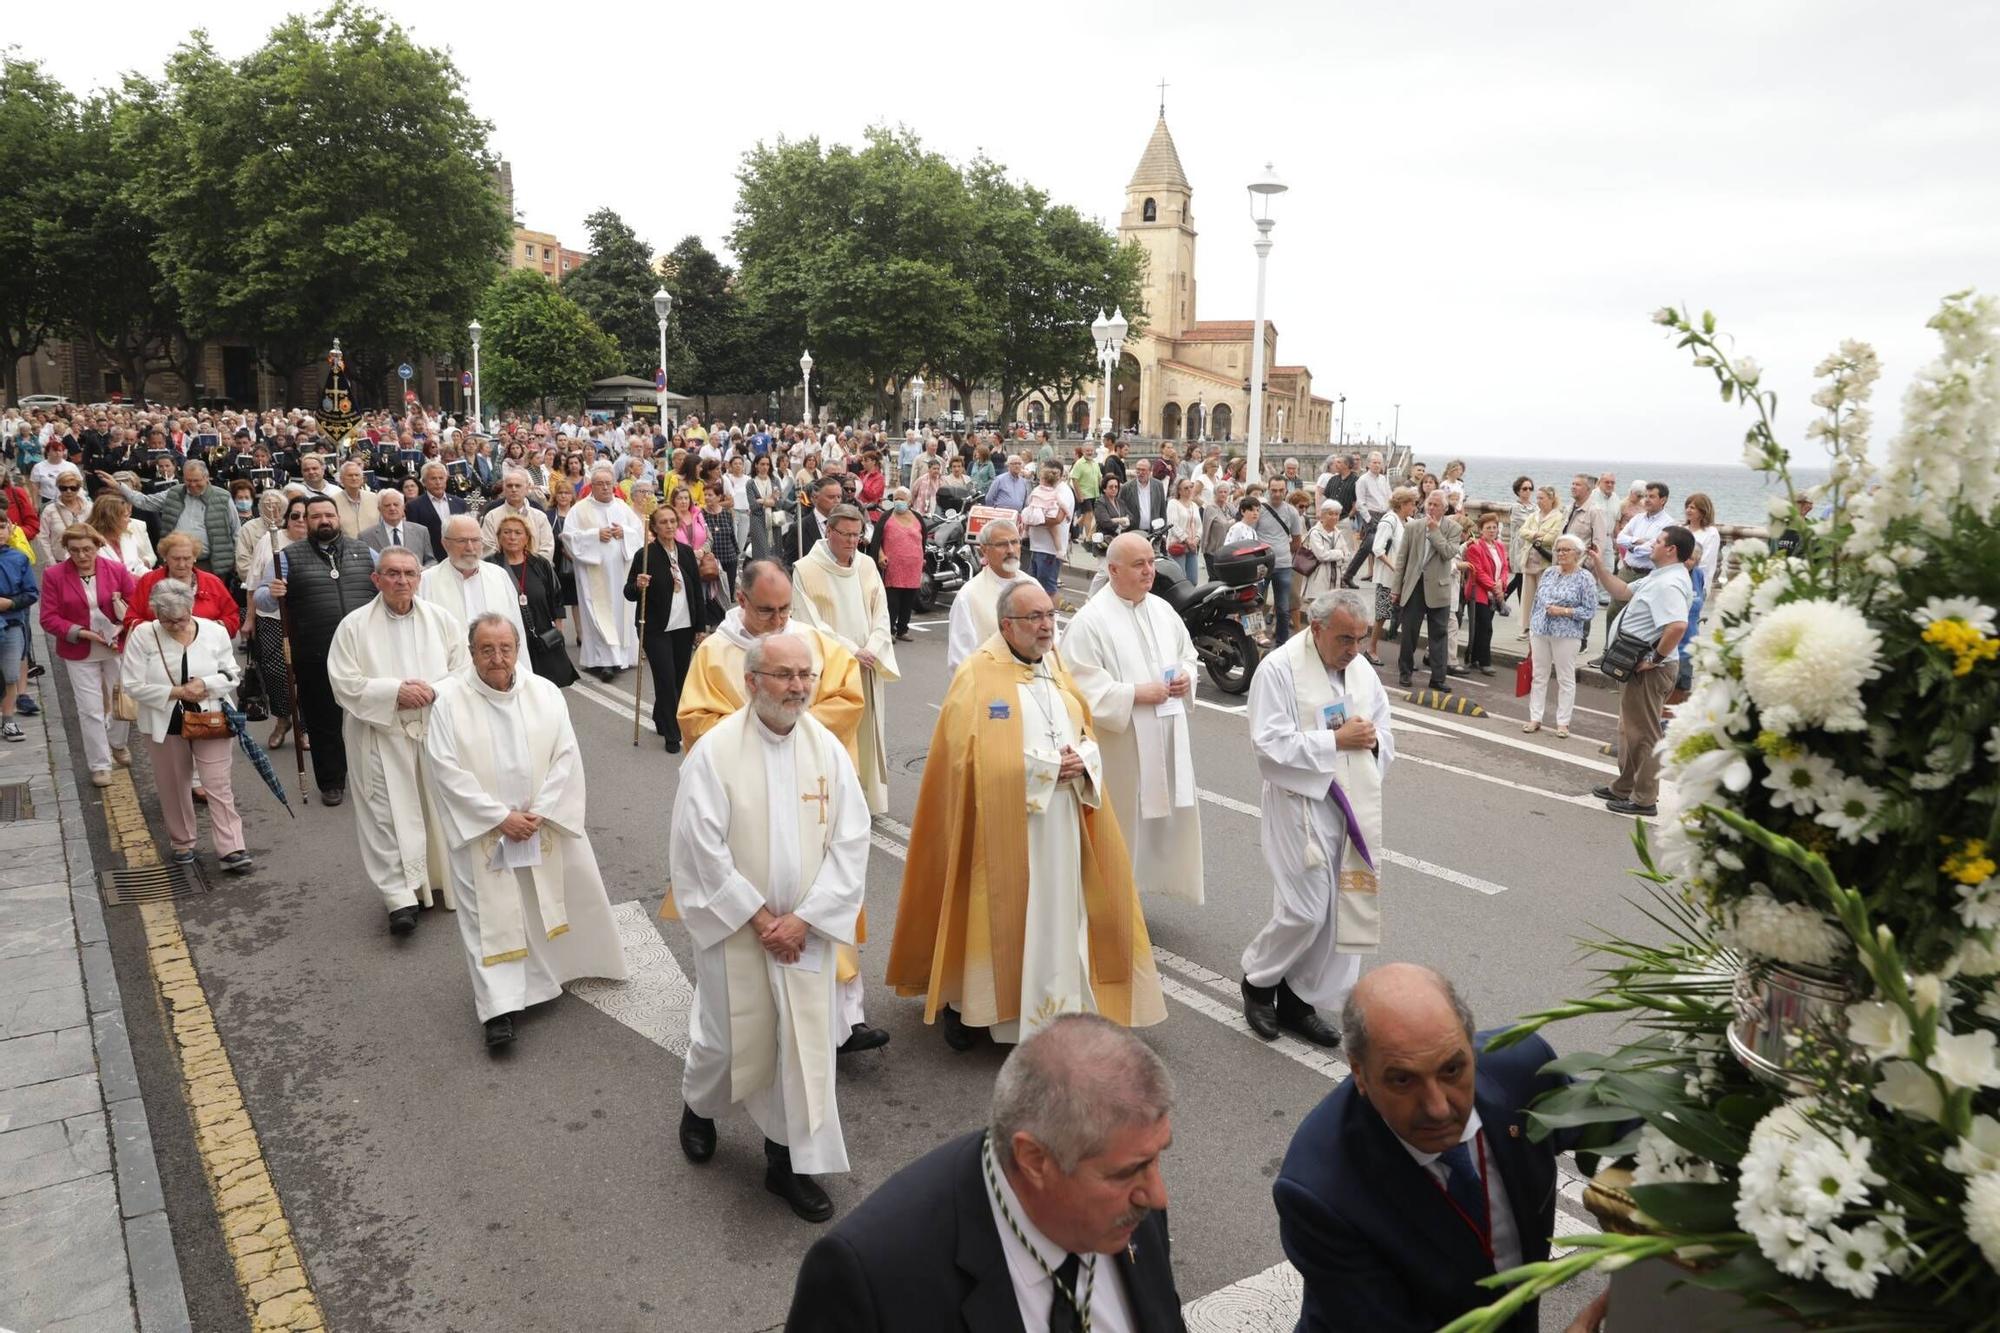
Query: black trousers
x,y
902,601
668,654
320,714
1479,647
1415,616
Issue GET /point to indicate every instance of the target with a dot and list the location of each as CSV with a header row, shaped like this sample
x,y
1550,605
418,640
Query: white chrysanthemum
x,y
1982,1215
1855,1261
1796,1179
1805,663
1879,1028
1658,1160
1787,932
1907,1088
1804,782
1979,904
1967,1059
1751,548
1849,809
1969,609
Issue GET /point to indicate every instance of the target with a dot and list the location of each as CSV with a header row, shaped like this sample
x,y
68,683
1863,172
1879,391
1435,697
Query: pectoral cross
x,y
821,797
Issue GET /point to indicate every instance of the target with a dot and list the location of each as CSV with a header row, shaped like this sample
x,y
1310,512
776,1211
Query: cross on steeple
x,y
1163,97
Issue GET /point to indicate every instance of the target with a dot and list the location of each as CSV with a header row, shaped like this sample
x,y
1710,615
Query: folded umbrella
x,y
259,758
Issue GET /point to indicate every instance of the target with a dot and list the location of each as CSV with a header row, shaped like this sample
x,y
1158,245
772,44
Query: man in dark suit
x,y
434,506
1415,1178
814,517
396,529
1064,1213
1146,498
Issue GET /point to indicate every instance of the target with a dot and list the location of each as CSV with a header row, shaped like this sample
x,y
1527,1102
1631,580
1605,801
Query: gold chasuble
x,y
962,919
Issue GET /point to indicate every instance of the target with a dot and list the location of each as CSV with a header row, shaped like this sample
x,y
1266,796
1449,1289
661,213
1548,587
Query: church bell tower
x,y
1160,218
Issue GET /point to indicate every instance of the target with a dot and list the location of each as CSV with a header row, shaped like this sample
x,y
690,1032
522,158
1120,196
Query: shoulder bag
x,y
197,724
1624,653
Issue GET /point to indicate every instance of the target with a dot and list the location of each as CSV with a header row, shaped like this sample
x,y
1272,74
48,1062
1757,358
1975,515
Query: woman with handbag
x,y
764,495
180,669
1184,524
1565,600
83,606
1328,547
267,635
666,583
899,549
540,596
1536,535
1485,567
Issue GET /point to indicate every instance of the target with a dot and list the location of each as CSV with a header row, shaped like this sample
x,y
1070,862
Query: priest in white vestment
x,y
507,789
770,862
1319,723
844,596
1132,658
464,585
602,535
973,620
384,665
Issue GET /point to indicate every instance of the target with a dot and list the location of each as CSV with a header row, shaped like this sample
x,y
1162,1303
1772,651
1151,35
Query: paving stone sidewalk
x,y
84,1241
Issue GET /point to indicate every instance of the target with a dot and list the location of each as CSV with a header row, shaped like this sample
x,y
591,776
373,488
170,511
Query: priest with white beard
x,y
845,597
973,618
507,786
770,862
1132,658
602,534
384,665
1319,723
467,587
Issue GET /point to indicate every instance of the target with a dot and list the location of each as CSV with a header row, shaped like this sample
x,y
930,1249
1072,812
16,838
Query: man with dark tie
x,y
1053,1218
433,506
1416,1177
398,529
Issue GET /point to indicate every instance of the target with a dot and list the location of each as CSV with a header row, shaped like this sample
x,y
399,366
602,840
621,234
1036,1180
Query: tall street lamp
x,y
1396,431
1262,190
478,421
663,304
1110,335
917,401
1343,421
1281,427
806,369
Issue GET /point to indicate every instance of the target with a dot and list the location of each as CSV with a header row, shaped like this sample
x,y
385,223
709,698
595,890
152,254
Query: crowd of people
x,y
401,604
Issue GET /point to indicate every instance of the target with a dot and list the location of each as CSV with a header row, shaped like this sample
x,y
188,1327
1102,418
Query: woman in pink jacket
x,y
83,606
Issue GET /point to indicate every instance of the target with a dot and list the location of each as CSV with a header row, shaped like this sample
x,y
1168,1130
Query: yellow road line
x,y
277,1292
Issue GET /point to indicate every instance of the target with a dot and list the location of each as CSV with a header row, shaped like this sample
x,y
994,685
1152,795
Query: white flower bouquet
x,y
1828,837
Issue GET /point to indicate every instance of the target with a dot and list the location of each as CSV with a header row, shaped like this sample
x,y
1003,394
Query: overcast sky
x,y
1486,199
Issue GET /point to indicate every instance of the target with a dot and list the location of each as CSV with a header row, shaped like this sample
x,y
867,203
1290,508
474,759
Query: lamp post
x,y
917,401
1110,335
1281,427
1100,333
1396,431
806,369
663,304
478,421
1343,421
1262,190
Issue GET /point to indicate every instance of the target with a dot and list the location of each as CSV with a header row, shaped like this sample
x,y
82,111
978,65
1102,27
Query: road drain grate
x,y
152,884
15,803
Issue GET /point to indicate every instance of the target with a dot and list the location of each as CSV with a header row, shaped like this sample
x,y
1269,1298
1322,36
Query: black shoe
x,y
956,1034
863,1038
697,1136
238,863
1459,671
499,1031
1260,1010
402,920
1299,1018
332,795
1631,808
1605,794
1403,681
803,1193
1441,687
673,744
35,671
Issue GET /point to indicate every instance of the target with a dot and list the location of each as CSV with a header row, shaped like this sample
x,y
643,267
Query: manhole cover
x,y
151,884
15,803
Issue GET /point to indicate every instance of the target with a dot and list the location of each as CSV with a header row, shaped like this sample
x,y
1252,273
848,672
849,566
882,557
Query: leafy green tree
x,y
537,344
38,132
333,183
615,288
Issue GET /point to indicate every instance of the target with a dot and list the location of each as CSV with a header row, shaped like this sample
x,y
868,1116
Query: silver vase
x,y
1777,1005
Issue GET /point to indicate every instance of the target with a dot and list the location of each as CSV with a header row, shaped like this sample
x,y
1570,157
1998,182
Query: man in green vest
x,y
205,512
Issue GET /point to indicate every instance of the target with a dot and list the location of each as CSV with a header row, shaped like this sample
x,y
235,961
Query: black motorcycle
x,y
949,560
1211,611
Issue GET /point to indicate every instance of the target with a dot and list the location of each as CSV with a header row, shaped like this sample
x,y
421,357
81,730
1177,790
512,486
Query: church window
x,y
1150,212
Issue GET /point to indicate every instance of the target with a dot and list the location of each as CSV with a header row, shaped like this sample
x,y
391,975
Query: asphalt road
x,y
434,1187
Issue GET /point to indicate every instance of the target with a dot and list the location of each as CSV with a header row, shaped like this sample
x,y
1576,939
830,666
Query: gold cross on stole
x,y
821,797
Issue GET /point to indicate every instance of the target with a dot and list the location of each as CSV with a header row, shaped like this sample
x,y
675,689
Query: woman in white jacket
x,y
174,665
1382,562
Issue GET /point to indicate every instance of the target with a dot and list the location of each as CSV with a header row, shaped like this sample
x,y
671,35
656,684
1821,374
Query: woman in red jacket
x,y
83,600
1485,565
178,553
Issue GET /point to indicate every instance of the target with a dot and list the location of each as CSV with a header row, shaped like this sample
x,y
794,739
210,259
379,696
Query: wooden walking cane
x,y
639,674
292,676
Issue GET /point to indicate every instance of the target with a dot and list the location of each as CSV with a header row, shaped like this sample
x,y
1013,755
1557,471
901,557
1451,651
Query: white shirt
x,y
1506,1237
1035,1290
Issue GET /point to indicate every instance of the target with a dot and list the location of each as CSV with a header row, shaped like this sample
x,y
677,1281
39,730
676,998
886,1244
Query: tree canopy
x,y
537,345
615,288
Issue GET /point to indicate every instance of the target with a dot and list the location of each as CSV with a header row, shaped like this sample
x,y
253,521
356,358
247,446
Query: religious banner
x,y
336,400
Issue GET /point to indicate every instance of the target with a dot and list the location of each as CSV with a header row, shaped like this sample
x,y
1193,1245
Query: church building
x,y
1186,377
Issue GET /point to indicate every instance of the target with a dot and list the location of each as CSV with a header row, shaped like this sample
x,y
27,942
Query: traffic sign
x,y
409,395
405,371
465,380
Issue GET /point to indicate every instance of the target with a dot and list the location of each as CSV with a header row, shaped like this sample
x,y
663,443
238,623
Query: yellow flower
x,y
1964,641
1970,864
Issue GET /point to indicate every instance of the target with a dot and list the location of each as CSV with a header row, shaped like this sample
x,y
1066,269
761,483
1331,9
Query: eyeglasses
x,y
790,677
1035,617
69,488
